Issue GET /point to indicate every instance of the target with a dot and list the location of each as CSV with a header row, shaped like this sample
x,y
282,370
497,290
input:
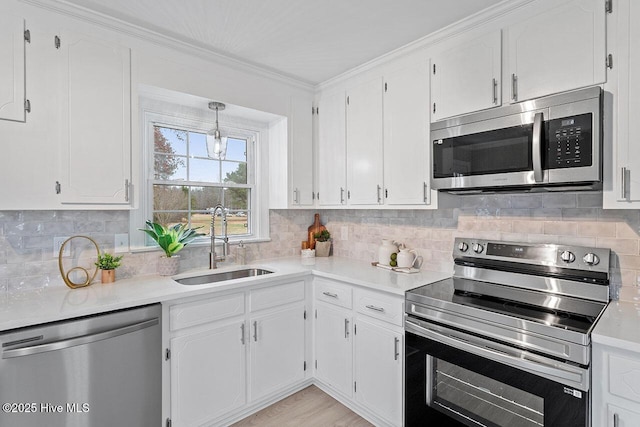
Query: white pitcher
x,y
385,250
409,258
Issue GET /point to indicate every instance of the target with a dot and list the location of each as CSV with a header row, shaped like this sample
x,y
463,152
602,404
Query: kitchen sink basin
x,y
223,276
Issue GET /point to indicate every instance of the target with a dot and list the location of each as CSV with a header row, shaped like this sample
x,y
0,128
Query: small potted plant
x,y
323,243
108,264
171,240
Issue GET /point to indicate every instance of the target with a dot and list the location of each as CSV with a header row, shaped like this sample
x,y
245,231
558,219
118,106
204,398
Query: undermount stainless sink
x,y
223,276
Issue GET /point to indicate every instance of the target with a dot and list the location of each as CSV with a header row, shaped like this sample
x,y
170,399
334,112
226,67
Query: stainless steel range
x,y
506,340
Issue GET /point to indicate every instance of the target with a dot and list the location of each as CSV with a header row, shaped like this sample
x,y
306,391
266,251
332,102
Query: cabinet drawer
x,y
624,377
389,308
276,295
332,292
199,312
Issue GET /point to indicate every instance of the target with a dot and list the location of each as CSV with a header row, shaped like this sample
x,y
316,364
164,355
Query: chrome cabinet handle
x,y
346,328
341,196
242,333
396,348
425,193
616,420
330,294
379,197
126,190
84,339
373,307
514,87
536,147
495,91
296,196
255,331
623,182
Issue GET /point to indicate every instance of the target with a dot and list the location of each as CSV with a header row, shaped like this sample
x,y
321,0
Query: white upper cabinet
x,y
559,49
406,136
622,160
95,108
332,150
467,77
12,68
364,143
301,152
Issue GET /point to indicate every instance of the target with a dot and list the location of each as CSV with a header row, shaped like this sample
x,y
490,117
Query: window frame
x,y
177,118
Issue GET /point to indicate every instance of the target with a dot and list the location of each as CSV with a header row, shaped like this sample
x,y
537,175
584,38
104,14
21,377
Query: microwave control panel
x,y
569,143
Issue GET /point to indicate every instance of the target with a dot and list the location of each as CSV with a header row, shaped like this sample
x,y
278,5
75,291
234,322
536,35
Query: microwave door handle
x,y
536,147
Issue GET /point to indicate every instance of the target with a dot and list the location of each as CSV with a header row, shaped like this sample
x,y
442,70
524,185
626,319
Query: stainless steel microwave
x,y
546,144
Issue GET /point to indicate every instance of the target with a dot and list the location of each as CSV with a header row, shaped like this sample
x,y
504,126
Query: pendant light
x,y
216,143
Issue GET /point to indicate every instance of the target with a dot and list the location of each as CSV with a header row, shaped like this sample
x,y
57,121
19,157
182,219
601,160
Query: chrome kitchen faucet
x,y
213,259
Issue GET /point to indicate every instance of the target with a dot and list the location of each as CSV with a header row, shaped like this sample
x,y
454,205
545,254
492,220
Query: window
x,y
187,184
179,183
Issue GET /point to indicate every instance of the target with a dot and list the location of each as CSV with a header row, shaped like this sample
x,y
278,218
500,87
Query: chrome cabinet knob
x,y
567,256
591,259
477,248
463,247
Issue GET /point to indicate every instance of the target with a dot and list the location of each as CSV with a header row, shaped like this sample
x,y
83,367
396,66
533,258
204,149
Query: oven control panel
x,y
565,256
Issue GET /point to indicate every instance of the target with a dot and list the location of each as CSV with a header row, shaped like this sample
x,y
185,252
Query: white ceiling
x,y
310,40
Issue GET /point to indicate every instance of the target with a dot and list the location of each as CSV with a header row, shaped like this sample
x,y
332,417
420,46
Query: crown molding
x,y
452,30
64,8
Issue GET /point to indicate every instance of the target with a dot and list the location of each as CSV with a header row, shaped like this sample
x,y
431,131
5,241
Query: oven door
x,y
452,378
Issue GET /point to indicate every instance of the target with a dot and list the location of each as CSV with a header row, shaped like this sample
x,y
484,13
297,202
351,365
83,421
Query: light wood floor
x,y
310,407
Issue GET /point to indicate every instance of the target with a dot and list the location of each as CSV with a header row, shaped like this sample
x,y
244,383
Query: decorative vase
x,y
168,266
315,228
385,250
108,276
323,248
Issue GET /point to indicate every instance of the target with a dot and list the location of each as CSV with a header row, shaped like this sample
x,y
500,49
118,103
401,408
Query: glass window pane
x,y
197,144
234,172
170,167
169,219
236,199
169,141
203,198
170,198
204,170
236,149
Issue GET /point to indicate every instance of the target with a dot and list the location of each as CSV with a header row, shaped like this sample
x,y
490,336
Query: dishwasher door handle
x,y
83,339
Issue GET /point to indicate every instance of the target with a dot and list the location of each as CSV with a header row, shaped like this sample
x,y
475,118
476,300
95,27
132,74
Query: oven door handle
x,y
576,377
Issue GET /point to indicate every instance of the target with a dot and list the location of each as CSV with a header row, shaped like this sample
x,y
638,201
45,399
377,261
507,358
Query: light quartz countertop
x,y
60,303
619,326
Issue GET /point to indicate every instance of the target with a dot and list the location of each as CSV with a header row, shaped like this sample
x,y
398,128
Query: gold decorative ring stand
x,y
65,275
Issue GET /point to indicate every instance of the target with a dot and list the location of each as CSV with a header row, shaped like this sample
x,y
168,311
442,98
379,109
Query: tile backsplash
x,y
27,260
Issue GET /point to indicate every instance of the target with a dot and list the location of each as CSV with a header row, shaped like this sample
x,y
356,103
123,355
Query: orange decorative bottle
x,y
315,228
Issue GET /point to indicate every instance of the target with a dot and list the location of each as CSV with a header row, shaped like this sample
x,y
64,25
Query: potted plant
x,y
108,264
171,240
323,243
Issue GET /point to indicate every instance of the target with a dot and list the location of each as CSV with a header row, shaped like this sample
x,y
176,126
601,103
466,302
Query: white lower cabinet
x,y
334,349
616,395
207,373
378,370
359,348
229,354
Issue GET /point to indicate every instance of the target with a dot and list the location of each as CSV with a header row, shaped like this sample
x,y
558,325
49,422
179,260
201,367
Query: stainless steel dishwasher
x,y
102,370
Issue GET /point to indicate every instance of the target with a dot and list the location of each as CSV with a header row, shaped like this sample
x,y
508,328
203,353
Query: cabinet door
x,y
406,136
622,417
334,354
301,153
332,150
12,68
96,121
277,350
624,171
378,370
560,49
467,77
207,374
364,144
